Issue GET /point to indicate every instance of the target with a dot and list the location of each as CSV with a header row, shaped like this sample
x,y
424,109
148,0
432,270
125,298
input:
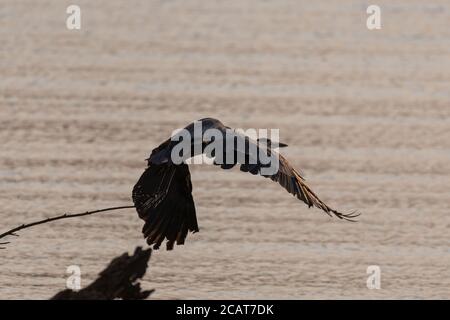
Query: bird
x,y
163,194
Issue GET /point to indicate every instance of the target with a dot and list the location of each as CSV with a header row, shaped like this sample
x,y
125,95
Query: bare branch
x,y
12,232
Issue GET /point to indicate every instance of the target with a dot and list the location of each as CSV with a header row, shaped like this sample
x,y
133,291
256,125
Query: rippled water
x,y
366,115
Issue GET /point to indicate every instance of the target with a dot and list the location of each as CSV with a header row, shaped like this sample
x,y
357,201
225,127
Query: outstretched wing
x,y
294,183
288,177
163,198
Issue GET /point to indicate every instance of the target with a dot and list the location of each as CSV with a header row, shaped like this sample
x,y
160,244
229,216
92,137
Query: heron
x,y
163,194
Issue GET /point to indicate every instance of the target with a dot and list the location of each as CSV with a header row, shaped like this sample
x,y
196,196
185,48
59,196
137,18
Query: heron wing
x,y
291,180
288,177
163,199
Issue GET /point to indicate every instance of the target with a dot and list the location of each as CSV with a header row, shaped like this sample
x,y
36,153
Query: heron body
x,y
163,194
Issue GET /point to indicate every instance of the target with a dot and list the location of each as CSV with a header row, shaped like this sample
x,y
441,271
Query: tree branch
x,y
13,231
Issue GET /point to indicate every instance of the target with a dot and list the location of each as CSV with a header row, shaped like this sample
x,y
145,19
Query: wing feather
x,y
163,199
286,176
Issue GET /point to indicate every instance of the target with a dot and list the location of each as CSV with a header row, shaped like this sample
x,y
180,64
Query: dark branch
x,y
13,231
120,280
